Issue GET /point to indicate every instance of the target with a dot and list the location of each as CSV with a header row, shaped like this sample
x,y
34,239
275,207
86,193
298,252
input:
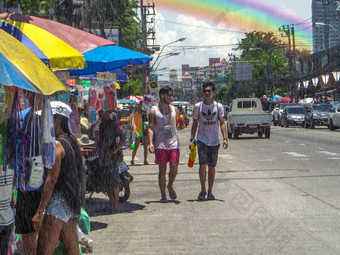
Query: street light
x,y
326,32
171,54
324,24
159,54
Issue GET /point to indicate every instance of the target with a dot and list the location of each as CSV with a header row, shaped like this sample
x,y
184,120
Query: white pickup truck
x,y
247,116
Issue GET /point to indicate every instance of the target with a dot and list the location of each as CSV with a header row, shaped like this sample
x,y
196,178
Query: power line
x,y
302,22
303,28
200,27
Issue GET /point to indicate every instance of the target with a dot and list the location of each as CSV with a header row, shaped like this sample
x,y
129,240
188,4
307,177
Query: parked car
x,y
277,112
334,119
293,116
317,115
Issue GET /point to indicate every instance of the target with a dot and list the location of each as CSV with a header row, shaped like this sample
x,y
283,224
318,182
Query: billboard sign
x,y
242,72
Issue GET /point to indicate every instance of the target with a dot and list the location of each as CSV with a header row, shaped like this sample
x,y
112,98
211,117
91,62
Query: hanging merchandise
x,y
15,146
36,166
80,96
74,120
4,127
99,103
106,85
93,98
48,135
93,115
2,98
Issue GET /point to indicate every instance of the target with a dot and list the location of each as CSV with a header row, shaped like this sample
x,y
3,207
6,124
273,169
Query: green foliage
x,y
266,53
134,86
224,94
106,14
35,8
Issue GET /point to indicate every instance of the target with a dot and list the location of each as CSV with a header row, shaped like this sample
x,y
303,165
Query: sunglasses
x,y
207,90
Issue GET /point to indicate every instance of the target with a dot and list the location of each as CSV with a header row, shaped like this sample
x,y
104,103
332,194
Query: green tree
x,y
121,14
266,53
134,86
35,8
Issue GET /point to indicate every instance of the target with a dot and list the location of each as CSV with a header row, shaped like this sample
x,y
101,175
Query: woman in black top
x,y
60,195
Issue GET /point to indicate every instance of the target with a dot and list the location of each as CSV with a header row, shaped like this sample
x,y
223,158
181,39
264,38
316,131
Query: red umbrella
x,y
284,100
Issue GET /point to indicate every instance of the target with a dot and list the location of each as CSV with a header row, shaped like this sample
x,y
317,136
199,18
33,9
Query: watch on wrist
x,y
225,139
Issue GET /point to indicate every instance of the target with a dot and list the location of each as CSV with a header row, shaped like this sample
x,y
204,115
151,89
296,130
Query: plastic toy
x,y
181,120
192,154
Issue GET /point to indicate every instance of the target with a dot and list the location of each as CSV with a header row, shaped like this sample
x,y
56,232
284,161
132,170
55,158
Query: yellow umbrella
x,y
21,68
48,47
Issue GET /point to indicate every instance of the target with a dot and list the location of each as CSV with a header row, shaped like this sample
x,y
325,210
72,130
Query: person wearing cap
x,y
59,207
86,145
108,150
138,119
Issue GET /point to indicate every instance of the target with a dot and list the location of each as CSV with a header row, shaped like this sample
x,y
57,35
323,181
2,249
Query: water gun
x,y
192,154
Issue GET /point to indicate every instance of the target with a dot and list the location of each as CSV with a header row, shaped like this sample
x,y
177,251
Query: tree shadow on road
x,y
98,206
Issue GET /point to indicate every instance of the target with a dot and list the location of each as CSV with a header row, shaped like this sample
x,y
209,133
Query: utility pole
x,y
290,32
147,34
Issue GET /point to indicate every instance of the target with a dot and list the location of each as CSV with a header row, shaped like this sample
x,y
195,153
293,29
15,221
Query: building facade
x,y
326,24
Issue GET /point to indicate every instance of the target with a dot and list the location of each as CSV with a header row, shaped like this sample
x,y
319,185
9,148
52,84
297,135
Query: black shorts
x,y
207,155
111,175
26,207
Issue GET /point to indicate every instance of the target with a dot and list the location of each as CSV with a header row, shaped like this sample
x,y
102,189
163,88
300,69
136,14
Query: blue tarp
x,y
106,58
126,101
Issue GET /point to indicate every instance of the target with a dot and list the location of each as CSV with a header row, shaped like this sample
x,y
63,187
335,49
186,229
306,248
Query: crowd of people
x,y
49,214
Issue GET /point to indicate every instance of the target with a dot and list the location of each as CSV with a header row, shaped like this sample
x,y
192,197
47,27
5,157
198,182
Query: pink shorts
x,y
164,156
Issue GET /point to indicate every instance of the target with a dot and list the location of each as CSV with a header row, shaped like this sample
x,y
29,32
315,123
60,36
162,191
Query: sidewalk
x,y
257,215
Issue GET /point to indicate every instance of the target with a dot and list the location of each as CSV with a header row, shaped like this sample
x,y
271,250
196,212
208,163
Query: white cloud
x,y
196,35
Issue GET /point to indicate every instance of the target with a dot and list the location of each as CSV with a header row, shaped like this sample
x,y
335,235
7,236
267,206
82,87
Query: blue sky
x,y
170,26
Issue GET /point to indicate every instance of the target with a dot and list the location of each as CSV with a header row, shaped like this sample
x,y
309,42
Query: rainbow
x,y
243,15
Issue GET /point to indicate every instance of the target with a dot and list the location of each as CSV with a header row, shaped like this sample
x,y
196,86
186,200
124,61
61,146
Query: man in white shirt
x,y
206,116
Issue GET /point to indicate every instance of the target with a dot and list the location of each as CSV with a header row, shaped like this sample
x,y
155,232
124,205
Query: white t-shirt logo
x,y
209,116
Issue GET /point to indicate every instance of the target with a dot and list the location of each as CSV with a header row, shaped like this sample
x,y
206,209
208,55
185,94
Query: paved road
x,y
274,196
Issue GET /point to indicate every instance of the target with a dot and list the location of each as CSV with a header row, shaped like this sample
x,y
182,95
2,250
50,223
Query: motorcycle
x,y
95,178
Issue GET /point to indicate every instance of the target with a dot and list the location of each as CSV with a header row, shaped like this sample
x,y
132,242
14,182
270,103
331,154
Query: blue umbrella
x,y
120,75
105,58
274,99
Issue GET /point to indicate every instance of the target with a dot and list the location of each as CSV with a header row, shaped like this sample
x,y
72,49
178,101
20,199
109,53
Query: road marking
x,y
328,153
226,156
295,154
260,160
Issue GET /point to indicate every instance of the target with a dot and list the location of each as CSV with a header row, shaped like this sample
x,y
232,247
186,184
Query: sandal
x,y
211,197
146,162
201,195
172,195
163,200
132,163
